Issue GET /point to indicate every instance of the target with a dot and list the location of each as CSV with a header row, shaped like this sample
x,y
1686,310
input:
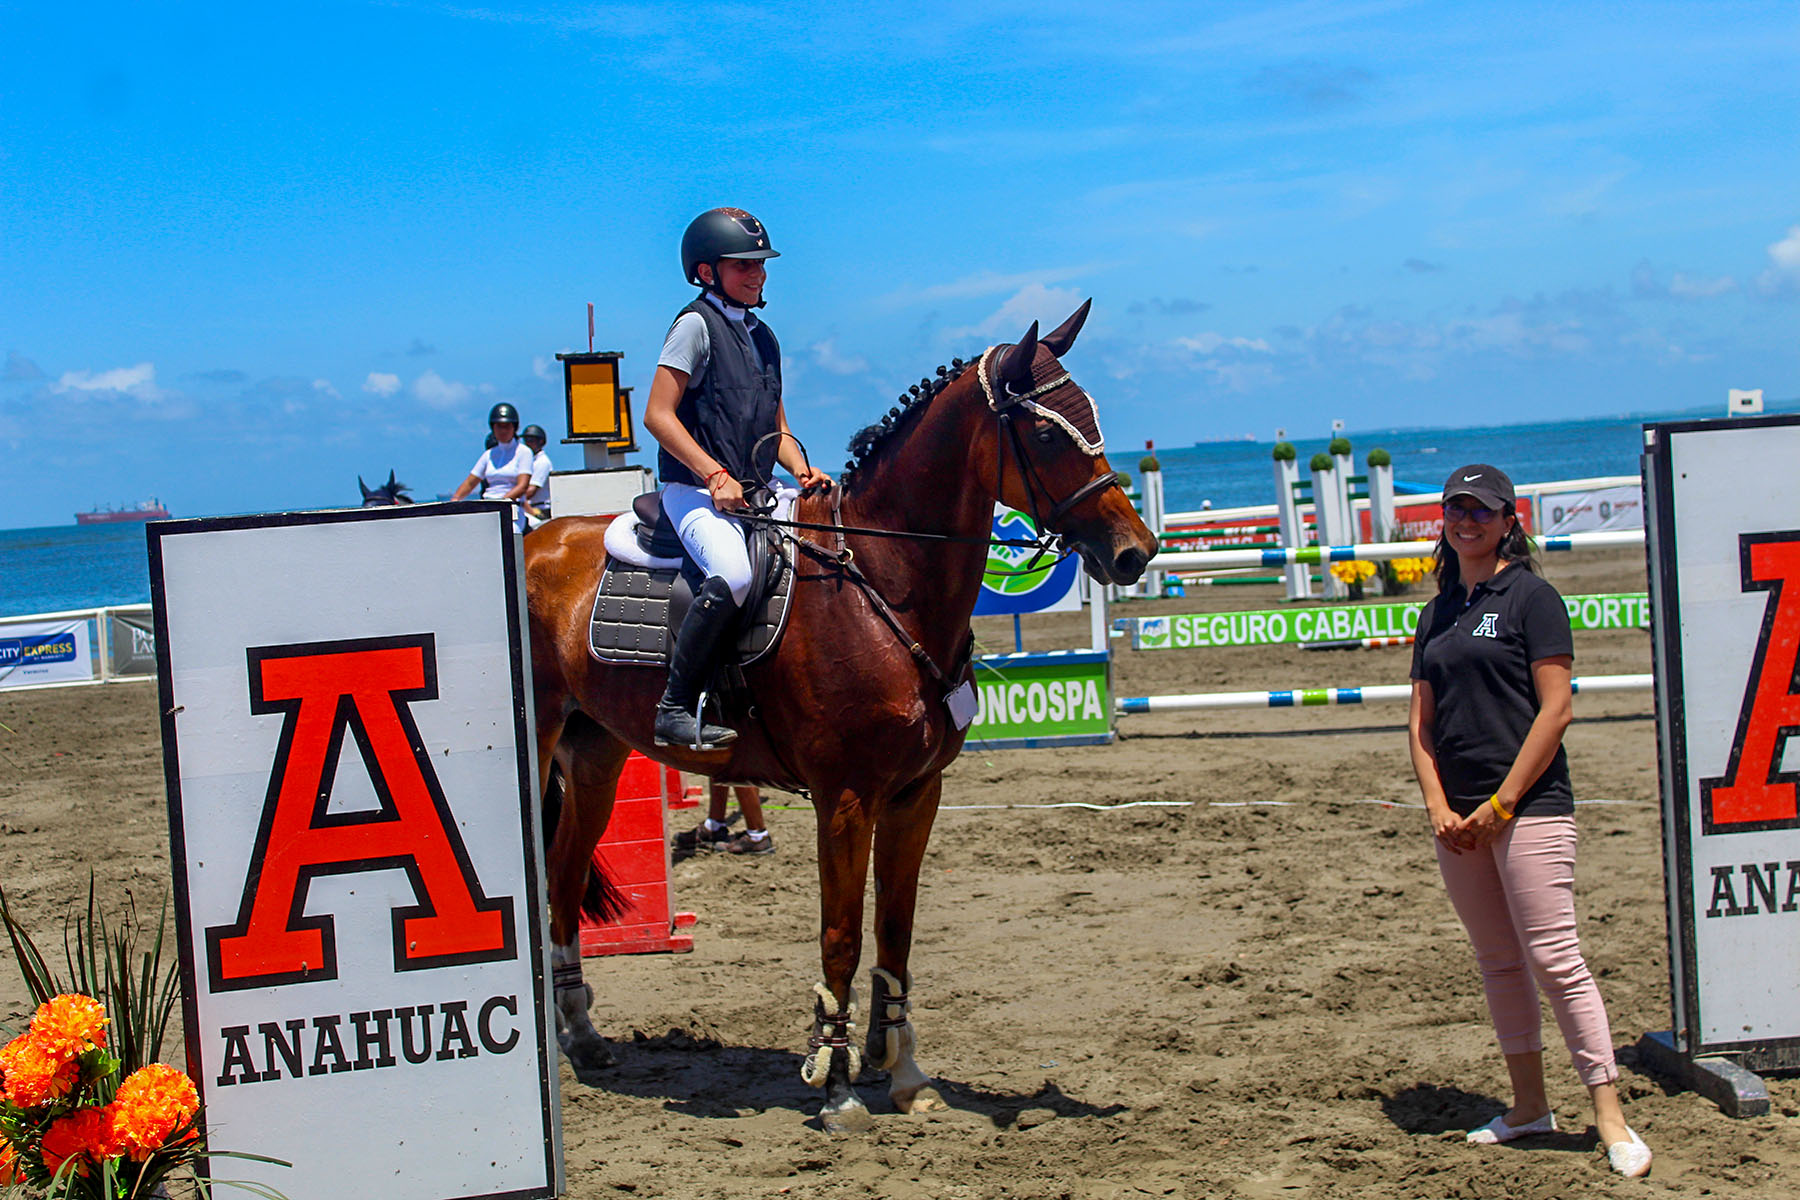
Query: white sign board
x,y
358,864
1590,510
39,652
1725,592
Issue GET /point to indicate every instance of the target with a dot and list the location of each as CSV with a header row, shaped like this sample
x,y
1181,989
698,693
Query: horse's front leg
x,y
900,838
586,1049
833,1059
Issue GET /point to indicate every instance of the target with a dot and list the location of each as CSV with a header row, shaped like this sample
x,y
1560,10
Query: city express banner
x,y
345,700
1059,698
34,653
1724,538
1019,579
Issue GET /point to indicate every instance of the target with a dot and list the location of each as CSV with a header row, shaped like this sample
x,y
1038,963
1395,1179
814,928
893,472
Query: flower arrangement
x,y
86,1113
1353,572
1409,571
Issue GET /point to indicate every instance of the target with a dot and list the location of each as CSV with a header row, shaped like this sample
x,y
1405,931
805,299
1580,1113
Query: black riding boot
x,y
697,644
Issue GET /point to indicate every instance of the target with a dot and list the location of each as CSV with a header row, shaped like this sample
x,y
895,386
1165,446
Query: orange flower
x,y
151,1104
33,1075
70,1025
88,1135
9,1164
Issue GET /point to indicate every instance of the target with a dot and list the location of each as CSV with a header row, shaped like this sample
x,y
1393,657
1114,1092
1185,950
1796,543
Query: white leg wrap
x,y
895,1017
830,1037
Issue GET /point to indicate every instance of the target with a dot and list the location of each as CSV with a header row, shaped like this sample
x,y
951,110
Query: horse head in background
x,y
390,493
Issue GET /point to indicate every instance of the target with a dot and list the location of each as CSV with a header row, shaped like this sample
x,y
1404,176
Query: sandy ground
x,y
1258,992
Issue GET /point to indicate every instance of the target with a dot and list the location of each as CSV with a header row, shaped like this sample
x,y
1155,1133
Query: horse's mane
x,y
870,444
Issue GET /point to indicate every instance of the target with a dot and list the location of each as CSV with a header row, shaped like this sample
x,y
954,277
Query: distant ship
x,y
148,510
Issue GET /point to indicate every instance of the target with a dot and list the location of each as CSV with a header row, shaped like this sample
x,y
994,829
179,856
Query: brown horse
x,y
851,708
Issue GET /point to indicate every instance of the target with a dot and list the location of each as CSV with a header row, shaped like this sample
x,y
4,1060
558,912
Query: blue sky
x,y
251,251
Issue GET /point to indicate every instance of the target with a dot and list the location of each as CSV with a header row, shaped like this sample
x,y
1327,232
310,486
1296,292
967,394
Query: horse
x,y
853,707
388,494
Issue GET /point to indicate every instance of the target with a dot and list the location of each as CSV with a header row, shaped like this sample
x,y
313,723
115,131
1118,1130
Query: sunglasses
x,y
1481,516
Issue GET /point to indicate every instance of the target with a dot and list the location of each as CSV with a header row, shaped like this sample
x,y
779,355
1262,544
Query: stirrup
x,y
696,738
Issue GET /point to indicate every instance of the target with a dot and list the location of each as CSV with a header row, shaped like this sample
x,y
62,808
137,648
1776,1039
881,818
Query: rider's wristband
x,y
1495,801
715,475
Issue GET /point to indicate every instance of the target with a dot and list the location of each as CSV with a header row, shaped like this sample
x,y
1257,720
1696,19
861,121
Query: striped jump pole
x,y
1314,697
1204,560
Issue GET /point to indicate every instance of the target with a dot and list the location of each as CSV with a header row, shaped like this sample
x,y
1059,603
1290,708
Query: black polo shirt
x,y
1476,653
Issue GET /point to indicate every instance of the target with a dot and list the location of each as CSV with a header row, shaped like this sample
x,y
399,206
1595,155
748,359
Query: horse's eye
x,y
1043,433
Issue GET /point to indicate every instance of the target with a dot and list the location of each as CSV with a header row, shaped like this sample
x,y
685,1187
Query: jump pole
x,y
1207,560
1319,697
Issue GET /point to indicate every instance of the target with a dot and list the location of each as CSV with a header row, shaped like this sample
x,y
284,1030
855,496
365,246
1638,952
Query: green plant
x,y
1323,462
1380,458
1148,463
1340,445
1285,452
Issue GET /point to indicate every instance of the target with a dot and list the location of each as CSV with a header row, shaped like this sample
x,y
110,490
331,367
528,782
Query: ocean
x,y
67,567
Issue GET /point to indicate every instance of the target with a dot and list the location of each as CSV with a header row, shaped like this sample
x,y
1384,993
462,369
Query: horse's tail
x,y
602,899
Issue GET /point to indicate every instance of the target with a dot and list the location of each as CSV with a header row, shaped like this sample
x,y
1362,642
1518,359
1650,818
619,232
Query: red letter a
x,y
365,687
1754,793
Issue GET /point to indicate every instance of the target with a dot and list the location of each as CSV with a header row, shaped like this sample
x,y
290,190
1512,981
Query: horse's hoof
x,y
853,1117
922,1099
588,1059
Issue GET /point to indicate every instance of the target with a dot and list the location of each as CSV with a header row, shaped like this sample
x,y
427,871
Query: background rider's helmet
x,y
722,233
533,433
503,412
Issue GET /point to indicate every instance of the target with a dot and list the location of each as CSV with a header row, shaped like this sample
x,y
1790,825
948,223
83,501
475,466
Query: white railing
x,y
77,647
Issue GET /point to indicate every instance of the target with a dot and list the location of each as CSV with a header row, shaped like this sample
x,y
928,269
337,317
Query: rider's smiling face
x,y
742,279
504,430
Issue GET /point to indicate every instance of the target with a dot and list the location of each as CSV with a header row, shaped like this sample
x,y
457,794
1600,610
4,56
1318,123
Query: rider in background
x,y
537,496
503,472
716,392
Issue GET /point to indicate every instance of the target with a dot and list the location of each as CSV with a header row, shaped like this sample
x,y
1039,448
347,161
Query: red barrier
x,y
634,854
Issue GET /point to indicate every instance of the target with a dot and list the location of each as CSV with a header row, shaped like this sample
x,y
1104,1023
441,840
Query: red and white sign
x,y
356,847
1724,537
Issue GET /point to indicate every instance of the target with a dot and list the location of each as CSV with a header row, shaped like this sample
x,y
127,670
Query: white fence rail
x,y
77,647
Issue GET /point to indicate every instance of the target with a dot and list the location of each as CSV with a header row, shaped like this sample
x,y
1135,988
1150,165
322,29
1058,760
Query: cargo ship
x,y
148,510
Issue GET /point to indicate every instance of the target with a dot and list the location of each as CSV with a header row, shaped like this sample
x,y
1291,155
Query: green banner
x,y
1028,699
1277,626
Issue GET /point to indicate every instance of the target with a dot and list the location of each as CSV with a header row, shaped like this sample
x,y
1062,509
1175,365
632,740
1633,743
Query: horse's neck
x,y
938,479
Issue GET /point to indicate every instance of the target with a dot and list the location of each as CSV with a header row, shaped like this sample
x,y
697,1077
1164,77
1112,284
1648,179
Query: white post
x,y
103,631
1381,502
1293,533
1097,629
1329,516
1151,472
1343,467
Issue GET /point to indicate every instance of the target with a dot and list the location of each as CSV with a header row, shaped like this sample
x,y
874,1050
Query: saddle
x,y
648,585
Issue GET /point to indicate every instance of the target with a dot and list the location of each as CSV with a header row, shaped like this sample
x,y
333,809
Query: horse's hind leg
x,y
833,1061
589,759
900,836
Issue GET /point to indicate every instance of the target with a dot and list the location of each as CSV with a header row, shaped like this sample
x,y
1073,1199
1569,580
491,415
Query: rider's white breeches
x,y
713,540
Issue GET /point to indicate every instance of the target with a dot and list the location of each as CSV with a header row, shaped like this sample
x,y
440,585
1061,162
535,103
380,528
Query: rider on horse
x,y
714,400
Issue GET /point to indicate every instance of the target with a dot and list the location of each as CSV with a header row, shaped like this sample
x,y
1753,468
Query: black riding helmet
x,y
533,431
722,233
503,412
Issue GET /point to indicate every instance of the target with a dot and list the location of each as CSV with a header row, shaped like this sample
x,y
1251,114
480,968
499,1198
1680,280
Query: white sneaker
x,y
1497,1130
1630,1159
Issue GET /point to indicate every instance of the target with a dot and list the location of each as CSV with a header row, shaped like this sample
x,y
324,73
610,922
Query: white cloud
x,y
1208,343
541,366
1783,274
1033,302
987,283
826,354
324,388
381,383
138,382
433,389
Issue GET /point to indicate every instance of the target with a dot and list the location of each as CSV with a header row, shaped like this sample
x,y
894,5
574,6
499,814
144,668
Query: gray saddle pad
x,y
631,623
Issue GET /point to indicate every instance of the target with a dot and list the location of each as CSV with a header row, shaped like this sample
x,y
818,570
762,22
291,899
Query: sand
x,y
1258,992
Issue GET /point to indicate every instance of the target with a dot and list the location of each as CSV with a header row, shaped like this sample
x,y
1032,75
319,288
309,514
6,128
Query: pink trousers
x,y
1516,898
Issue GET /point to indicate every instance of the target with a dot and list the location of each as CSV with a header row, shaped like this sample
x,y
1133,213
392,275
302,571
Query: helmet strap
x,y
717,288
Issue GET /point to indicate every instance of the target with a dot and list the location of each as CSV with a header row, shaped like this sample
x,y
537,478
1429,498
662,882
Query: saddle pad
x,y
630,623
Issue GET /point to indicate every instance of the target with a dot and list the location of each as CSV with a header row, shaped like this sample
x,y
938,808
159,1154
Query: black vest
x,y
735,402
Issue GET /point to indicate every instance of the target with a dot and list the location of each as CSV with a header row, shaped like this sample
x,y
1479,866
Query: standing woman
x,y
1490,702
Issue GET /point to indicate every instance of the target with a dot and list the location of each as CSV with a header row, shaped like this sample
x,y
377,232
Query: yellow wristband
x,y
1495,801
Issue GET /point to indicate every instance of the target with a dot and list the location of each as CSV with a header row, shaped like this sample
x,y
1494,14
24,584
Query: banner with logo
x,y
1289,626
1061,697
39,652
131,641
1019,579
1724,538
356,848
1585,512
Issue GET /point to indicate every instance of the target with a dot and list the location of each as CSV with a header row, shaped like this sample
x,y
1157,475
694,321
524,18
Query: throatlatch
x,y
831,1034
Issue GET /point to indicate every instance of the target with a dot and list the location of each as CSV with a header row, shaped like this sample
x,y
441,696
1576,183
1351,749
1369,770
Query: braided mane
x,y
868,444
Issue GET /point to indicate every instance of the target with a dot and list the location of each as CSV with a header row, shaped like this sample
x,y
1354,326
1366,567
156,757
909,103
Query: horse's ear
x,y
1058,340
1015,368
365,487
